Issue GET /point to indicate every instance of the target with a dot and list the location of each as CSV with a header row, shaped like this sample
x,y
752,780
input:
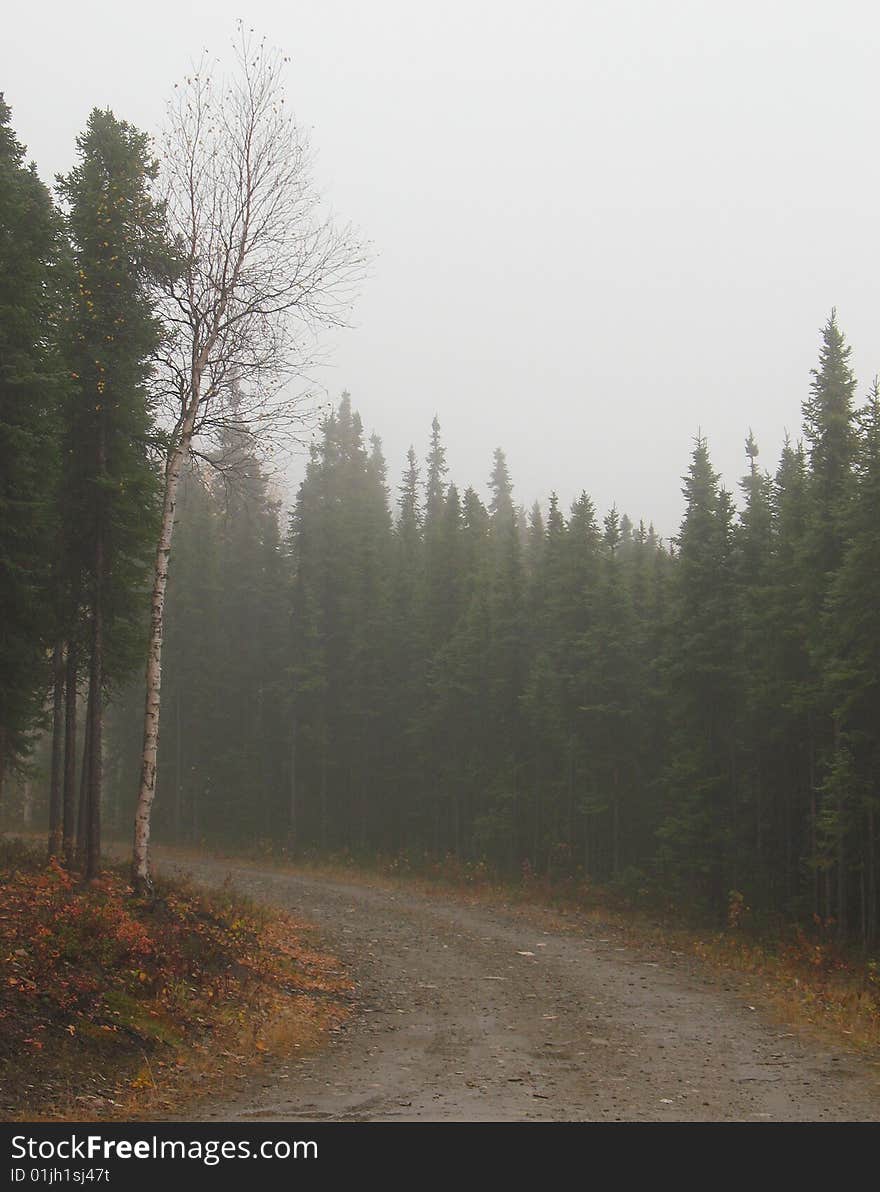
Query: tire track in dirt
x,y
471,1013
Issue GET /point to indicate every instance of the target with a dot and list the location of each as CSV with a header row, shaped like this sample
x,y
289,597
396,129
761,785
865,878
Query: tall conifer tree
x,y
30,392
119,249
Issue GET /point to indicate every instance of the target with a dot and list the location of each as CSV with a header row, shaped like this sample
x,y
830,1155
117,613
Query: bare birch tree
x,y
262,270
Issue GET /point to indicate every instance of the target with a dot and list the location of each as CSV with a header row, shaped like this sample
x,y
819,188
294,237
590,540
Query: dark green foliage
x,y
699,826
828,416
31,391
109,482
109,479
852,668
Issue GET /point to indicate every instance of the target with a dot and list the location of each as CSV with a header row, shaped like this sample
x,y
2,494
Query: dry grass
x,y
111,1008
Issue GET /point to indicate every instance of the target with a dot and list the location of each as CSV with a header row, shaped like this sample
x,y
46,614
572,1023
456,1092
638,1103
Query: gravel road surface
x,y
475,1013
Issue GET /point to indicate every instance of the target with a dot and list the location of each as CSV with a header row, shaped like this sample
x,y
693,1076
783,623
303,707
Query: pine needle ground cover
x,y
111,1007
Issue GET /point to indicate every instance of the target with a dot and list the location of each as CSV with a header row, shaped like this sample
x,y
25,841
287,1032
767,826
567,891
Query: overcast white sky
x,y
598,225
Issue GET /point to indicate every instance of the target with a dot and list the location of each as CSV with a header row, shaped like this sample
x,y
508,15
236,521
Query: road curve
x,y
471,1013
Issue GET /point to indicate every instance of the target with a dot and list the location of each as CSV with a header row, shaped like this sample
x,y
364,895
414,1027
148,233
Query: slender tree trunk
x,y
587,851
117,802
789,850
759,814
178,774
814,853
361,789
69,799
95,746
96,671
2,763
194,815
872,879
456,823
141,877
536,830
55,778
569,796
615,826
291,825
841,846
323,792
435,827
85,787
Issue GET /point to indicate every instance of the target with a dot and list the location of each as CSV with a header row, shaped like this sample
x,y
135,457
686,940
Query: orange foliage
x,y
81,963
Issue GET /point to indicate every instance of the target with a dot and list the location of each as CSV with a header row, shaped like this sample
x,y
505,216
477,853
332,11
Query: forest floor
x,y
116,1008
474,1007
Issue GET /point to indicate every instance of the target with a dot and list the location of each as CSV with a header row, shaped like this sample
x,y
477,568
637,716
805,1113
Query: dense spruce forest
x,y
558,690
421,672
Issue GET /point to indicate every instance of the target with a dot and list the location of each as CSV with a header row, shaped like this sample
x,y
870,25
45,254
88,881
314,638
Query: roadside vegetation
x,y
115,1007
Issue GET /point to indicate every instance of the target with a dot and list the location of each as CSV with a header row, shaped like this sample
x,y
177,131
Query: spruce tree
x,y
119,249
31,388
699,824
757,775
828,428
852,666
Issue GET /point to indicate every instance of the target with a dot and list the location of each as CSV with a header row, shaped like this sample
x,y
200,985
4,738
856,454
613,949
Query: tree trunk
x,y
95,742
569,797
69,799
96,669
615,826
291,825
814,851
117,802
141,877
194,825
323,793
85,787
55,826
789,850
872,879
536,825
841,846
178,775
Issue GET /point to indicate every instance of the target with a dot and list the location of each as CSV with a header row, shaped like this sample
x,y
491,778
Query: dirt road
x,y
479,1014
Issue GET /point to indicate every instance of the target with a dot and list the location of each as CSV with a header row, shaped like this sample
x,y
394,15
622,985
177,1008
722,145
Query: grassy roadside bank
x,y
114,1008
803,977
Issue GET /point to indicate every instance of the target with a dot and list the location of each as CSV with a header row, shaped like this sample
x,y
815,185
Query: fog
x,y
597,227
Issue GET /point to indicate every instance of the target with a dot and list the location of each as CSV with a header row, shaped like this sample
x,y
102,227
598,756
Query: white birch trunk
x,y
141,875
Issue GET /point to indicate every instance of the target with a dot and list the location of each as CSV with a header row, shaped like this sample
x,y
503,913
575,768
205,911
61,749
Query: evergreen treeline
x,y
558,690
422,671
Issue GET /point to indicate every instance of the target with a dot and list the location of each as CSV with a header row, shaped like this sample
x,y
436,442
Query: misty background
x,y
597,227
